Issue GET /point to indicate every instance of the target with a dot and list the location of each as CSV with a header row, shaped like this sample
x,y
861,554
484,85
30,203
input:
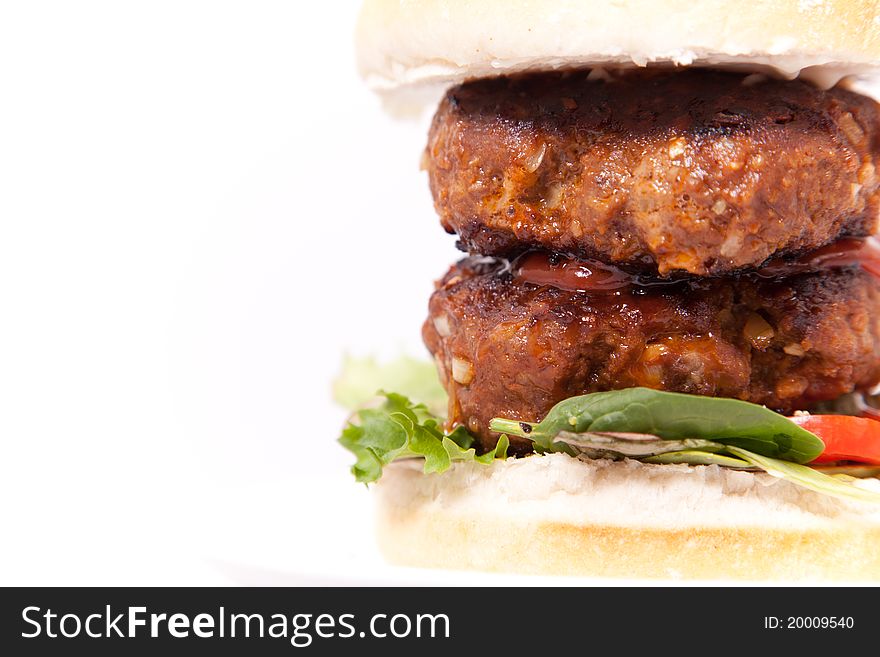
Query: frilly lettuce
x,y
360,378
400,429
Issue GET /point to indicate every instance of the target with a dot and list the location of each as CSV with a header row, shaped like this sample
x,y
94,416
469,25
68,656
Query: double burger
x,y
659,351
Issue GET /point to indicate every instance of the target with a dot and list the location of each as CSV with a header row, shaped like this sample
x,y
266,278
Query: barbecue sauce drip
x,y
573,274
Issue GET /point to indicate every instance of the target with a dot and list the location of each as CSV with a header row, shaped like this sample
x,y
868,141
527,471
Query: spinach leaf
x,y
671,416
699,457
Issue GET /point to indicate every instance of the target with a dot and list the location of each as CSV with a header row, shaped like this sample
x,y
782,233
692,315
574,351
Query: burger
x,y
659,350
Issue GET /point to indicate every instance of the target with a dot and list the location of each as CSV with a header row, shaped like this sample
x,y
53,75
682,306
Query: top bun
x,y
405,45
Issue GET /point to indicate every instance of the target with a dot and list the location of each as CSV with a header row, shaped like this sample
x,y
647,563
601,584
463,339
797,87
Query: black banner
x,y
336,621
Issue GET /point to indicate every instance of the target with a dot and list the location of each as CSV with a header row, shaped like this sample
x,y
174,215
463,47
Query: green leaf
x,y
360,378
432,448
672,416
461,437
368,467
382,431
400,429
629,445
500,451
855,470
698,457
807,477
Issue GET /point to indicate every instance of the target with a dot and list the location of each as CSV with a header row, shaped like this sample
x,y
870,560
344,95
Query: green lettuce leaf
x,y
401,429
361,377
807,477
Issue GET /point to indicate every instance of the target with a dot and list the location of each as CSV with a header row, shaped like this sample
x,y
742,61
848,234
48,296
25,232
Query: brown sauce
x,y
573,274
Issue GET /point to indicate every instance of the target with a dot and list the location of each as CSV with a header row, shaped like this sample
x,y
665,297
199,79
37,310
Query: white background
x,y
201,210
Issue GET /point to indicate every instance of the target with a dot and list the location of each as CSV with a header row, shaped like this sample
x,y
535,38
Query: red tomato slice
x,y
846,438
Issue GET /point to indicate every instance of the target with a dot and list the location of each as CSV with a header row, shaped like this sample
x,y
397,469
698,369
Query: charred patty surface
x,y
508,348
694,171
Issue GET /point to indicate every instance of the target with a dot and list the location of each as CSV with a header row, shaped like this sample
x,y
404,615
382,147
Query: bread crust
x,y
424,540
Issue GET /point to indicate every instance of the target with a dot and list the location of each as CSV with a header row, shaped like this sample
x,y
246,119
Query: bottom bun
x,y
557,515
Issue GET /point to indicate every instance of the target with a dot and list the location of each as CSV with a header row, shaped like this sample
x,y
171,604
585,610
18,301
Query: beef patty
x,y
506,347
695,171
